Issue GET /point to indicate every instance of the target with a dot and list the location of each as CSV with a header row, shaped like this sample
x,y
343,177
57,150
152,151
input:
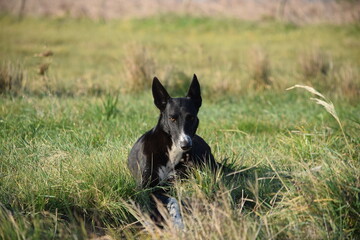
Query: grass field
x,y
68,121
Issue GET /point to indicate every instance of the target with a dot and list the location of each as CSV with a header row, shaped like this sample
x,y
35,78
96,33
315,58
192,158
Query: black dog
x,y
172,146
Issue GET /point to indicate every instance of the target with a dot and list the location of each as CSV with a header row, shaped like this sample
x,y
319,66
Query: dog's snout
x,y
185,145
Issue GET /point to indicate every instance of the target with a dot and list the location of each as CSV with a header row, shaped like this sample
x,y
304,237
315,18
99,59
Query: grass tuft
x,y
315,63
110,106
12,78
347,81
260,70
139,67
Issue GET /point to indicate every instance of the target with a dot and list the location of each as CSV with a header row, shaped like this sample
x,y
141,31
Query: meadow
x,y
75,96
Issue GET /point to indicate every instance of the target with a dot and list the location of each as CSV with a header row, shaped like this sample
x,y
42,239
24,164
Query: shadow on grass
x,y
251,186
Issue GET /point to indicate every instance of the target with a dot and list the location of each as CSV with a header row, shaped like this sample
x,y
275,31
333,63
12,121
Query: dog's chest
x,y
175,156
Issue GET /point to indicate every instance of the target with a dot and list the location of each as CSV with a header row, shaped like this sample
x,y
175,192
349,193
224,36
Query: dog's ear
x,y
160,94
194,92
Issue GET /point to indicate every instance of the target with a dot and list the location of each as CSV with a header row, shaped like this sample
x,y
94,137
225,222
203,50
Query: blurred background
x,y
238,46
297,11
75,80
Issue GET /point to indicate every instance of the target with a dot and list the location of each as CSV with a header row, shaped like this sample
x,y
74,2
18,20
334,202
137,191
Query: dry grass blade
x,y
329,107
307,88
148,226
327,104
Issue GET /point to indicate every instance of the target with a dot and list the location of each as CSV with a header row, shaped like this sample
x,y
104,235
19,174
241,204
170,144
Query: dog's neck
x,y
175,154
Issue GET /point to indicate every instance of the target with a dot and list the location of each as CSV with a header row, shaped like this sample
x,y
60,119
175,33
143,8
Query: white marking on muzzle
x,y
186,138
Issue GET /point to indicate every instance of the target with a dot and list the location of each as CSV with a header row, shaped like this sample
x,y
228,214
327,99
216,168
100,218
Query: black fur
x,y
169,149
151,151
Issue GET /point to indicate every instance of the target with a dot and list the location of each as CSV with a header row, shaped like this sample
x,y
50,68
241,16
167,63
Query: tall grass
x,y
346,81
139,68
260,69
64,142
12,78
315,64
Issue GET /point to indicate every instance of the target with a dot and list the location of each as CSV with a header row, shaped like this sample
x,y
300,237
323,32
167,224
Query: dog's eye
x,y
190,118
173,119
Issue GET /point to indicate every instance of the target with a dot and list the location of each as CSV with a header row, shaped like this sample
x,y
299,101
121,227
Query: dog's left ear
x,y
194,92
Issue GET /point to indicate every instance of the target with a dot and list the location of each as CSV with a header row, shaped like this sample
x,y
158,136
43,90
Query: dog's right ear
x,y
194,92
160,94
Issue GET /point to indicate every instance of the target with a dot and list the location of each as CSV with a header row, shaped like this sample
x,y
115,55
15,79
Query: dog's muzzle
x,y
185,142
186,147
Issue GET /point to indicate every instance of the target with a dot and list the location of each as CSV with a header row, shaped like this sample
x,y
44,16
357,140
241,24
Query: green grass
x,y
66,156
89,56
65,136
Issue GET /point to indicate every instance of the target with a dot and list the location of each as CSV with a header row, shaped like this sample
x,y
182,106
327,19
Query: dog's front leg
x,y
173,207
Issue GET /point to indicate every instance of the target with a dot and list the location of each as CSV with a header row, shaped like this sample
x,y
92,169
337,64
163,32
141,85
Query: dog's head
x,y
178,115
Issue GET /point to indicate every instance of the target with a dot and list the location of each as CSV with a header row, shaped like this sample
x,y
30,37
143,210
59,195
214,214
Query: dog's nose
x,y
185,145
